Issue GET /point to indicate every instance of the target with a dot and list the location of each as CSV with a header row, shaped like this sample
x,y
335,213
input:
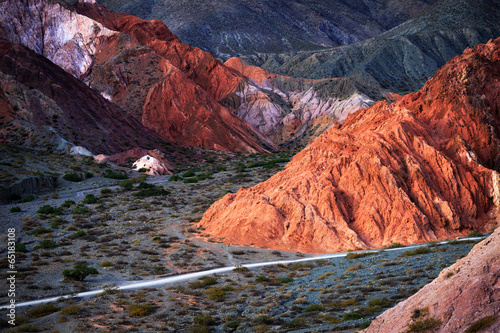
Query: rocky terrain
x,y
401,59
423,168
464,298
231,28
114,227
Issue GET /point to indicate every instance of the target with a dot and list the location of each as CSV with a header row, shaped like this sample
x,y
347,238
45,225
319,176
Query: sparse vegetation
x,y
481,324
42,310
79,272
15,209
417,251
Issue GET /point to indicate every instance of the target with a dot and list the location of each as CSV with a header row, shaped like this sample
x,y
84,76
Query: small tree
x,y
79,272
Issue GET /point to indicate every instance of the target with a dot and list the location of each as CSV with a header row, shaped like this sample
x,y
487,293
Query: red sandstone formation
x,y
417,170
463,294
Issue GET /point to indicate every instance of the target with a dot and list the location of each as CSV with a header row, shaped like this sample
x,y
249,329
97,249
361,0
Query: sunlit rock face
x,y
420,169
461,295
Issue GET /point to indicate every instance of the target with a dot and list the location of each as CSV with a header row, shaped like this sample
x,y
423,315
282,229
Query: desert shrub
x,y
357,255
106,264
295,323
144,185
21,247
80,210
126,184
188,174
40,231
67,203
42,310
216,294
481,324
205,282
72,177
354,268
314,307
204,319
106,191
90,199
424,325
115,175
140,310
49,210
79,272
174,178
46,244
80,233
70,310
29,198
15,209
301,266
285,279
261,279
417,251
241,269
351,316
151,192
364,325
395,245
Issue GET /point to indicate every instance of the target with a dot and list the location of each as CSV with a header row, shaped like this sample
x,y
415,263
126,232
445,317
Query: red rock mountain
x,y
420,169
170,87
42,105
462,295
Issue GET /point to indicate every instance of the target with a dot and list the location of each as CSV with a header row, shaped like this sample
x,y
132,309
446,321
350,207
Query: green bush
x,y
351,316
80,211
46,244
151,192
79,272
73,177
106,191
424,325
126,184
205,282
417,251
357,255
80,233
115,175
141,310
42,310
188,174
29,198
285,279
21,247
314,307
49,210
67,203
204,319
15,209
144,186
174,178
216,294
90,199
261,279
40,231
481,324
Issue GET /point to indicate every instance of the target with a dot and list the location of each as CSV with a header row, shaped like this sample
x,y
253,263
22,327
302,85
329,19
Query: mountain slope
x,y
230,28
403,58
416,170
461,296
54,109
172,88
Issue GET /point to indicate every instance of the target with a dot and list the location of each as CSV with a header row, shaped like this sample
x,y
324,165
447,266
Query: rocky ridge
x,y
420,169
401,59
231,28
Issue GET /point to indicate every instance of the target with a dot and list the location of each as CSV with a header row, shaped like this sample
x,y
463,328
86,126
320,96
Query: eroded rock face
x,y
417,170
292,112
138,158
462,294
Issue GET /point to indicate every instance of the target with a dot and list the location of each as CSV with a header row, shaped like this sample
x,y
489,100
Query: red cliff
x,y
420,169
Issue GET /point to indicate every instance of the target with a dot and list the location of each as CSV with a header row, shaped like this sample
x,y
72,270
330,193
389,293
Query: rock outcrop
x,y
420,169
463,294
153,160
